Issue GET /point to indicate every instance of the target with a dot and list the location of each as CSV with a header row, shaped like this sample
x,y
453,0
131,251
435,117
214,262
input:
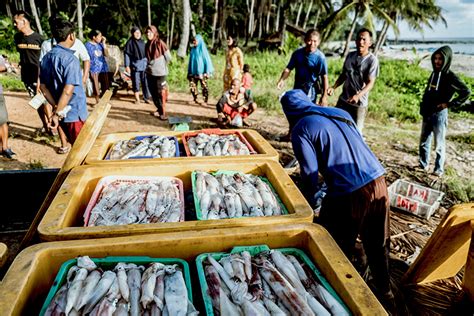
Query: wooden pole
x,y
78,153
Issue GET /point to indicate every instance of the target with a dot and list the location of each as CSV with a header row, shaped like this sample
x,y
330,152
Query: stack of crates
x,y
66,234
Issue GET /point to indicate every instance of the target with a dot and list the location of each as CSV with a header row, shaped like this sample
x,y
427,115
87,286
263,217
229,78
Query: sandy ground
x,y
124,116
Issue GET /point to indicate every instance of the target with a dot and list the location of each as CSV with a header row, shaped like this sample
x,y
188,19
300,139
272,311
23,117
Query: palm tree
x,y
185,27
35,15
365,9
416,13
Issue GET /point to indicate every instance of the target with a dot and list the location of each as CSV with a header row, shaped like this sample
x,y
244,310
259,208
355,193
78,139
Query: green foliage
x,y
7,33
461,188
35,164
291,43
11,82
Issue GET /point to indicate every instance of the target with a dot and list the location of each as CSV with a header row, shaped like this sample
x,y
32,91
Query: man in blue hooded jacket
x,y
326,140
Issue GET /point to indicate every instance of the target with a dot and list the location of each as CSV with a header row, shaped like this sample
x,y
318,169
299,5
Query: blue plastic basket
x,y
173,138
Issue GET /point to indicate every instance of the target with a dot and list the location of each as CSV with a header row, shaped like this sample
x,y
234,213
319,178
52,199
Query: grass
x,y
35,164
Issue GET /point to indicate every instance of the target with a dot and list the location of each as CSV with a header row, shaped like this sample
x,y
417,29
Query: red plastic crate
x,y
134,179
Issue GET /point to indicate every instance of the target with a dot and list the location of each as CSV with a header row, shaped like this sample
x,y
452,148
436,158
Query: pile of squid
x,y
152,146
137,202
217,145
269,283
234,195
127,289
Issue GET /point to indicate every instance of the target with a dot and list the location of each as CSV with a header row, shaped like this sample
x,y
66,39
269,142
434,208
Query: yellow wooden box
x,y
27,282
64,218
103,144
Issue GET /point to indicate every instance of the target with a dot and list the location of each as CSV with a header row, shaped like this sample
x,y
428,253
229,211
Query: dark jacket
x,y
442,85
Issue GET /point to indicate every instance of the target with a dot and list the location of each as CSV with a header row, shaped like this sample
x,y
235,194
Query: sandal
x,y
155,114
163,117
63,150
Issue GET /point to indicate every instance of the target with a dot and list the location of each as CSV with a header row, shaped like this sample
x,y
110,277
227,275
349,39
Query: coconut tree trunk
x,y
9,10
316,19
148,8
168,23
269,12
214,21
381,37
201,11
35,15
79,19
299,13
48,7
173,17
351,32
251,18
277,19
185,27
306,18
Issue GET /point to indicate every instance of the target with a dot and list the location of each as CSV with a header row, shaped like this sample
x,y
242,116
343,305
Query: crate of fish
x,y
121,285
257,280
414,198
29,279
64,219
215,142
104,144
231,194
140,147
123,200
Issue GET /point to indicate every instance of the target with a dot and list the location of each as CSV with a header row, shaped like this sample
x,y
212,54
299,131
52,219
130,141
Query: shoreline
x,y
461,63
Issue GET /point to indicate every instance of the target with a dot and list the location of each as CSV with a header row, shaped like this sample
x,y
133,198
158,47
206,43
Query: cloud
x,y
459,16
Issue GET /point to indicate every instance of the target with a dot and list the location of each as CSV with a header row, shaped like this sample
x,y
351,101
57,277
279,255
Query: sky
x,y
459,15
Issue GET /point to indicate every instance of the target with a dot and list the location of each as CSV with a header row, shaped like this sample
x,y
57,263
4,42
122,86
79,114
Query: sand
x,y
461,63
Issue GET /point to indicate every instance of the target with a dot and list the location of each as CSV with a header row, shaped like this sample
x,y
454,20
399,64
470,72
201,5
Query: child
x,y
442,85
247,80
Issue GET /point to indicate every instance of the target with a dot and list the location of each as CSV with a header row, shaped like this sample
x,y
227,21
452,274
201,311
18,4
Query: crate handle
x,y
252,249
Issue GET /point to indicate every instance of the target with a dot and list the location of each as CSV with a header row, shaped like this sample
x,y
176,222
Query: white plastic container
x,y
414,198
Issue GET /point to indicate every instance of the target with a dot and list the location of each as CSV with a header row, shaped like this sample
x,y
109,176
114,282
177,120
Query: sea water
x,y
458,45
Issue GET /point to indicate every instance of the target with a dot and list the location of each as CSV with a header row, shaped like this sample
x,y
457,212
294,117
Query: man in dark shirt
x,y
28,43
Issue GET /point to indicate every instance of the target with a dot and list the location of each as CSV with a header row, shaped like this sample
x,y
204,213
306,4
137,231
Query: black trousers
x,y
156,85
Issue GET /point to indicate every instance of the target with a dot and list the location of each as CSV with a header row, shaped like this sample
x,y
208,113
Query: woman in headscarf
x,y
158,56
234,63
136,62
199,68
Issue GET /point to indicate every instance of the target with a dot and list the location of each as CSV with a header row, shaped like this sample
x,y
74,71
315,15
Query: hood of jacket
x,y
447,54
296,105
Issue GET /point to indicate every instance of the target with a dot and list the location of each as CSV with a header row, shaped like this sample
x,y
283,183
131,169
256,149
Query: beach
x,y
461,63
